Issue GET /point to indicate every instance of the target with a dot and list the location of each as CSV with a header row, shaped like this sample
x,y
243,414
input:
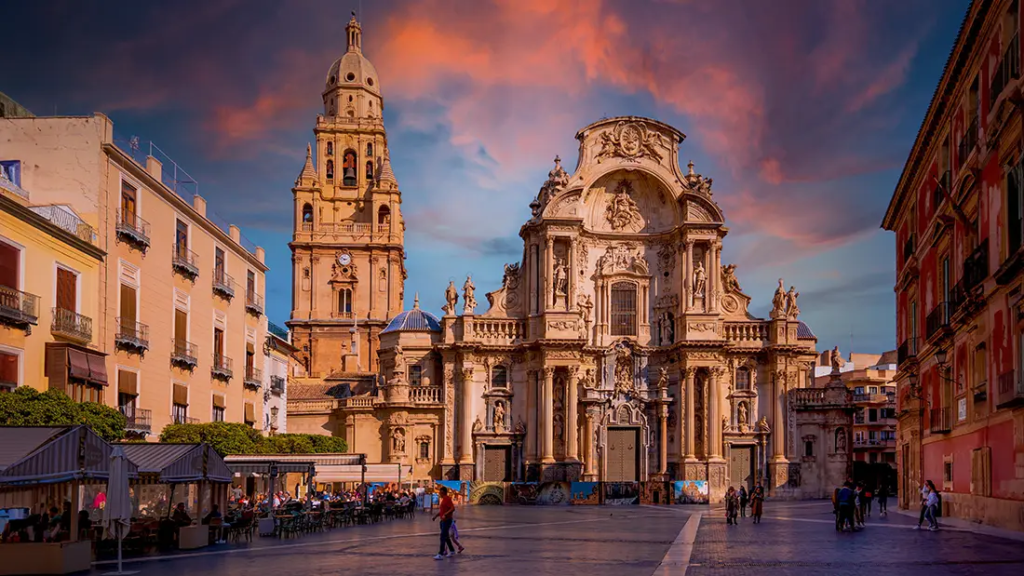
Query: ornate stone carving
x,y
588,381
622,258
624,372
499,417
467,296
478,425
631,141
689,372
563,325
792,310
561,355
582,257
666,257
451,296
730,304
836,359
556,182
667,301
779,302
699,279
561,275
702,326
662,382
510,280
622,212
398,441
697,183
729,281
586,306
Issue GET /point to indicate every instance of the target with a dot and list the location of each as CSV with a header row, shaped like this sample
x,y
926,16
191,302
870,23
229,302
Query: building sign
x,y
961,410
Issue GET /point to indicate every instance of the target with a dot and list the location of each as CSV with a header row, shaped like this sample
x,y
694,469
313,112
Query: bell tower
x,y
348,270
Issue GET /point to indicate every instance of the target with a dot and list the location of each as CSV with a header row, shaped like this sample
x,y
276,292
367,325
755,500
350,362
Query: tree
x,y
27,406
234,438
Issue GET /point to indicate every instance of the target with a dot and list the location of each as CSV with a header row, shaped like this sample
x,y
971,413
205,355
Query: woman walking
x,y
744,500
732,504
757,503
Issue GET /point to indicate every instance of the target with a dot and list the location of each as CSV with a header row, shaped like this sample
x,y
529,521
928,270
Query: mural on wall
x,y
522,493
655,493
487,493
621,493
539,494
690,492
458,489
584,493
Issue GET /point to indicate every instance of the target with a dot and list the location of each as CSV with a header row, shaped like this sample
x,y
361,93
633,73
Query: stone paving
x,y
793,538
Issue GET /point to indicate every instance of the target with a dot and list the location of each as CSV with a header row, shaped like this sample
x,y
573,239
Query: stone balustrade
x,y
746,332
807,396
425,394
498,330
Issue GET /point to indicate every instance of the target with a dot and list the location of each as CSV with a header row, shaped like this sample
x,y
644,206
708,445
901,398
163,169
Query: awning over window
x,y
66,361
218,401
180,395
250,413
97,369
78,364
127,382
179,463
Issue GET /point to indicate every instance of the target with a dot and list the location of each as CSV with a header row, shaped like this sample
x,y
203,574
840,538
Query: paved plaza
x,y
794,538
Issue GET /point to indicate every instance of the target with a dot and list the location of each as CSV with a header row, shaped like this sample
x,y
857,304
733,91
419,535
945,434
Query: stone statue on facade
x,y
779,301
478,425
622,211
467,296
398,441
668,328
729,281
557,180
662,382
499,417
840,441
586,305
792,310
399,363
741,414
624,372
451,296
762,425
699,279
561,273
836,359
588,381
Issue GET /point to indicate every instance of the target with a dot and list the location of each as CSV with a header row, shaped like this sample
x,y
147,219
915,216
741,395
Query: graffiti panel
x,y
585,493
621,493
690,492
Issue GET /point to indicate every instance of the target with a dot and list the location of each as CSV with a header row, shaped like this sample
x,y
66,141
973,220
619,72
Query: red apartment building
x,y
958,215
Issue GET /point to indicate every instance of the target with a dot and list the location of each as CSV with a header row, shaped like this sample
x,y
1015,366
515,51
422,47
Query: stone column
x,y
588,444
663,454
570,293
466,423
571,419
691,438
531,416
714,413
547,440
687,281
549,260
716,267
778,420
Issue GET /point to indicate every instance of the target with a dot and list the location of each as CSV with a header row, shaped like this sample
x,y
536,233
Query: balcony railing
x,y
941,420
17,307
1011,390
425,394
277,385
870,398
1007,70
185,262
132,335
974,274
968,143
133,229
185,420
67,221
874,443
139,420
908,248
184,353
71,326
253,302
253,377
221,367
906,351
223,284
938,319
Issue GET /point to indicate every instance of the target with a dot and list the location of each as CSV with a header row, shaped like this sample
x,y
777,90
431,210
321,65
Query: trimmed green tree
x,y
26,406
235,438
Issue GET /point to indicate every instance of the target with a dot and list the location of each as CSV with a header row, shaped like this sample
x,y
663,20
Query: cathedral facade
x,y
619,347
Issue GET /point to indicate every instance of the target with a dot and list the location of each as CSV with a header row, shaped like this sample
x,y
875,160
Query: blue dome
x,y
414,320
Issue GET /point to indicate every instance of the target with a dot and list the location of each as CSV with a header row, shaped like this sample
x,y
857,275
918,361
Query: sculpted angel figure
x,y
586,304
467,296
792,310
451,296
499,416
779,300
729,281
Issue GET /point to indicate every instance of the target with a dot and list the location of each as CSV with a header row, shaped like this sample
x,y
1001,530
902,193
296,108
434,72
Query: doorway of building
x,y
623,455
497,463
741,467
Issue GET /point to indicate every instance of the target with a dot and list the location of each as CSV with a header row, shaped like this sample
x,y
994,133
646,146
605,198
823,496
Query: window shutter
x,y
128,306
180,395
127,383
250,413
57,367
9,261
218,401
66,290
180,326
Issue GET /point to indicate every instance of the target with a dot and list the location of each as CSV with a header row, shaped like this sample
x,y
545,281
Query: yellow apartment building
x,y
50,273
179,307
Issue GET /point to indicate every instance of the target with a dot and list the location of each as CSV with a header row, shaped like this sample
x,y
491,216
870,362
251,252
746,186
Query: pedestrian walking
x,y
883,497
744,500
924,504
867,496
732,504
931,504
446,512
757,503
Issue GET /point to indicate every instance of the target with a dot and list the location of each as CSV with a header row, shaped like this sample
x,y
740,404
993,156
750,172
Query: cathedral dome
x,y
353,70
414,320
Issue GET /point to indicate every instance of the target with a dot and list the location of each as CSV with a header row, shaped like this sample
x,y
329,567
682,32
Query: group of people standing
x,y
736,502
852,501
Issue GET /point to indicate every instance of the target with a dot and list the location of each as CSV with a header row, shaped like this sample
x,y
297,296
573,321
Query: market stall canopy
x,y
179,463
50,455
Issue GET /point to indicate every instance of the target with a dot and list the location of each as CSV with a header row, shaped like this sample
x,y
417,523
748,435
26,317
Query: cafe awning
x,y
49,455
354,473
179,463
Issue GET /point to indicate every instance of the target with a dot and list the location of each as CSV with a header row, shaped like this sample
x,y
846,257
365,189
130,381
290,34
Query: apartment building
x,y
957,217
871,379
179,308
280,366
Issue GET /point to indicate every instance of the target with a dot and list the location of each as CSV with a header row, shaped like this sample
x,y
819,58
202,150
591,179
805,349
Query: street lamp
x,y
913,380
940,355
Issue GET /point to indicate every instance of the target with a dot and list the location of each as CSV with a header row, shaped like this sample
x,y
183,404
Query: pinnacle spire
x,y
355,34
308,175
416,302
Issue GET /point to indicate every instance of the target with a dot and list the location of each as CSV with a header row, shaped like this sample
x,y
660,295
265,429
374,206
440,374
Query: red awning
x,y
78,364
97,369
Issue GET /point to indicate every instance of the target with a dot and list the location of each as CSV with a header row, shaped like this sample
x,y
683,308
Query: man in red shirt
x,y
446,512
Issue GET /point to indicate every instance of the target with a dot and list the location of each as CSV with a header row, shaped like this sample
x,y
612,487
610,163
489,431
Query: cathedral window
x,y
345,302
425,450
330,148
383,216
369,147
742,379
499,377
369,170
349,176
415,375
623,317
307,216
330,170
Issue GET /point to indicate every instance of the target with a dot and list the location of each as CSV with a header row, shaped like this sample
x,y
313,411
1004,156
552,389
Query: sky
x,y
803,112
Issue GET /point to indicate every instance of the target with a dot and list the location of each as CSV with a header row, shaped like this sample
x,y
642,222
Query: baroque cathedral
x,y
619,348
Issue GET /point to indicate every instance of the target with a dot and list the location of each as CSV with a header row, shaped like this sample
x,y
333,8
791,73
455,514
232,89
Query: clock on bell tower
x,y
347,245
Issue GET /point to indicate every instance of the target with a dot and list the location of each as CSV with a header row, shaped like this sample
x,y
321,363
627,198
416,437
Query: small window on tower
x,y
330,148
349,177
369,170
330,169
369,149
350,77
369,81
307,214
